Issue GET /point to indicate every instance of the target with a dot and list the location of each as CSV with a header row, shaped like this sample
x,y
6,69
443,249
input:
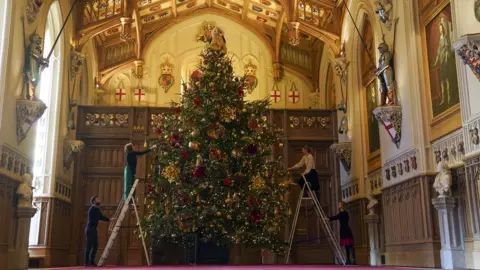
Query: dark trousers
x,y
312,179
91,246
350,250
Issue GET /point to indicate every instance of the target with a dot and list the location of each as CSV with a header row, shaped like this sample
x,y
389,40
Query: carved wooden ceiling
x,y
128,24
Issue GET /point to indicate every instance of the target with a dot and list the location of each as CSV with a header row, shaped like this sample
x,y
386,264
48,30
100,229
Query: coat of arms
x,y
251,80
166,79
293,95
120,94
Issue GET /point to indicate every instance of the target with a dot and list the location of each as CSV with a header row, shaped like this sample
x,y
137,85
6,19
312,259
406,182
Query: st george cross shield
x,y
120,94
139,94
275,96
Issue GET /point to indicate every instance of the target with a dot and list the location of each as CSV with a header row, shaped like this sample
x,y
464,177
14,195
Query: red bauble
x,y
227,182
174,140
178,110
255,217
196,74
196,101
199,172
185,155
252,124
214,89
158,131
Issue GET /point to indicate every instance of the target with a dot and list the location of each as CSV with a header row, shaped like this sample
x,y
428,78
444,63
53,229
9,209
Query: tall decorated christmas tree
x,y
215,173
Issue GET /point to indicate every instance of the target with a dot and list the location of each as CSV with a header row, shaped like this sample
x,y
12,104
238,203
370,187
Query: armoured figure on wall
x,y
34,64
386,75
443,180
24,192
384,11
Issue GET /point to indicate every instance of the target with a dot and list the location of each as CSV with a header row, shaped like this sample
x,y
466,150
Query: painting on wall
x,y
441,63
371,97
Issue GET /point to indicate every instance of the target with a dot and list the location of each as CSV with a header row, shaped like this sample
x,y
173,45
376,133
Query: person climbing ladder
x,y
131,167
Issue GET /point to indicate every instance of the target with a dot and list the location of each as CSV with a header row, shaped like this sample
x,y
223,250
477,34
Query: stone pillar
x,y
452,253
373,222
18,256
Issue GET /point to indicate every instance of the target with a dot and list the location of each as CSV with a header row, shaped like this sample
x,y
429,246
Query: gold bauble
x,y
276,212
193,145
219,214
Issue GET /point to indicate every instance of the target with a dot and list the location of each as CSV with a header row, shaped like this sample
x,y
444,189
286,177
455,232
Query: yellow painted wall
x,y
179,45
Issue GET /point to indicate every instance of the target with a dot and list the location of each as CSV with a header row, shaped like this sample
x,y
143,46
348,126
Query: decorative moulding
x,y
28,112
343,151
31,9
71,149
350,190
450,149
401,168
468,47
13,164
340,65
391,119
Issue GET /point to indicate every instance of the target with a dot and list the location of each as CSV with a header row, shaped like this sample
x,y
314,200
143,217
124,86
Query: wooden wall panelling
x,y
473,198
359,229
7,215
411,225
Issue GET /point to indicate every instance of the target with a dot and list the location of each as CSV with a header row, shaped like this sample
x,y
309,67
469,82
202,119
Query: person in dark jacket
x,y
131,167
346,236
94,215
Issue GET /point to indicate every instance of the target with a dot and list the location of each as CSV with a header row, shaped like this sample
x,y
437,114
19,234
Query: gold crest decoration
x,y
166,79
251,81
205,32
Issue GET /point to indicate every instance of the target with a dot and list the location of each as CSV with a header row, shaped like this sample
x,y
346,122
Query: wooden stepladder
x,y
115,226
334,244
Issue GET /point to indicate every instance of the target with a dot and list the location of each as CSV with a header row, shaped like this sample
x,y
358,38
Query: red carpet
x,y
250,267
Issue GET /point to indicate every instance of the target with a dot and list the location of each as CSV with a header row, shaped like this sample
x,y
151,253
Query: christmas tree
x,y
215,173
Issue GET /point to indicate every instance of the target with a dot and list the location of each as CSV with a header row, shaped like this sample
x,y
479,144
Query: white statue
x,y
372,202
24,192
443,180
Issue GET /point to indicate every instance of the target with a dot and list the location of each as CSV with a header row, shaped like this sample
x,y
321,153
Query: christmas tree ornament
x,y
258,183
172,173
193,145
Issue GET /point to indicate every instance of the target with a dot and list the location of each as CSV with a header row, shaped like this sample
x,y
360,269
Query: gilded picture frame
x,y
370,97
443,96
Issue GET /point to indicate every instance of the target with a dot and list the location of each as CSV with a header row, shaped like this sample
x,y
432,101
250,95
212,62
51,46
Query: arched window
x,y
5,18
49,91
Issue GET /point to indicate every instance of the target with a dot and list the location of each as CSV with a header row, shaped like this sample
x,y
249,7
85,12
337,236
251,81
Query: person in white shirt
x,y
310,173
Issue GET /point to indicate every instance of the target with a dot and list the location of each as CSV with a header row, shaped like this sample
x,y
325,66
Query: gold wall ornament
x,y
126,29
205,31
138,72
71,149
294,33
277,72
76,62
344,152
251,81
166,79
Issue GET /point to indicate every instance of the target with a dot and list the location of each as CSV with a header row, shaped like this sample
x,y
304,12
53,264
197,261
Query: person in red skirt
x,y
346,236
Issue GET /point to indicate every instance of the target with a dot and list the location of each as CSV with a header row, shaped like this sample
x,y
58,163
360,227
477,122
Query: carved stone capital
x,y
71,148
391,119
343,151
76,62
126,31
340,65
277,71
137,71
293,33
28,112
468,47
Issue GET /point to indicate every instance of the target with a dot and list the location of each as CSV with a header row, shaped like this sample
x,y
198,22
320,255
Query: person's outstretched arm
x,y
139,153
300,164
102,217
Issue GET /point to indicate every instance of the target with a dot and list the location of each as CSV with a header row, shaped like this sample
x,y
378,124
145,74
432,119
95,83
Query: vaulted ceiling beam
x,y
174,8
278,35
246,5
330,39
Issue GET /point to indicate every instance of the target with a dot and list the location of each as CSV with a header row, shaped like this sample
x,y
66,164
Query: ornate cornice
x,y
13,164
401,168
28,112
468,47
391,119
71,148
450,149
343,151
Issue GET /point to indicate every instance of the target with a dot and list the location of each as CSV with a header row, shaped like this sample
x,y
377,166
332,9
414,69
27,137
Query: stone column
x,y
452,253
18,257
373,222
